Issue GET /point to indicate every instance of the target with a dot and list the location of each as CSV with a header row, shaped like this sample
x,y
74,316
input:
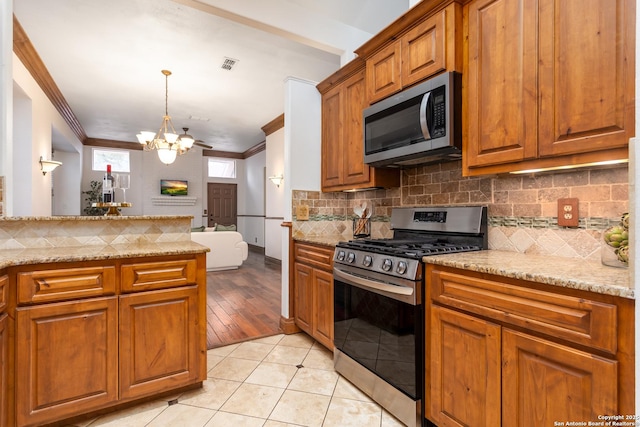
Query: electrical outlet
x,y
568,214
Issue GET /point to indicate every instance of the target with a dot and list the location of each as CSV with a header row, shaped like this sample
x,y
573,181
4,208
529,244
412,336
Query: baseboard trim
x,y
256,249
268,259
289,326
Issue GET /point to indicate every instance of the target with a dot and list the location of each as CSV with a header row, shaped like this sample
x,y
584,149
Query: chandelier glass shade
x,y
166,141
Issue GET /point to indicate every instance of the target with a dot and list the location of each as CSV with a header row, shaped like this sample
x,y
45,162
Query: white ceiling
x,y
106,57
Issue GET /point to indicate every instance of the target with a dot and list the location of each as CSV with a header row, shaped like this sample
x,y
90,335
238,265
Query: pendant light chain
x,y
166,92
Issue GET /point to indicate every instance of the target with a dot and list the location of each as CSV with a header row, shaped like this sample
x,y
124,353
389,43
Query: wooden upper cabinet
x,y
501,81
547,83
423,51
332,139
384,73
586,75
343,167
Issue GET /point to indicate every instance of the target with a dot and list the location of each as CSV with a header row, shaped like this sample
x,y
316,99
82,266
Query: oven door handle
x,y
371,284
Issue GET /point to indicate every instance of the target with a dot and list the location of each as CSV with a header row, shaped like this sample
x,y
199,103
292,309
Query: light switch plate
x,y
568,215
302,213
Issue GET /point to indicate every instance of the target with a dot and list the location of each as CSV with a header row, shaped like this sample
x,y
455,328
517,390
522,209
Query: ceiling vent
x,y
228,63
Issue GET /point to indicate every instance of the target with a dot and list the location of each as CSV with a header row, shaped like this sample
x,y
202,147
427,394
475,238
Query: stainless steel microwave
x,y
419,125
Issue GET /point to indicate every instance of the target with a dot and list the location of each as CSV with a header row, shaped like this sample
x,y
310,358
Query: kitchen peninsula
x,y
97,312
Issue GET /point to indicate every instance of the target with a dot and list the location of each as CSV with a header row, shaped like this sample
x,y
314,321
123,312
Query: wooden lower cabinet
x,y
464,370
544,382
303,296
323,308
74,355
504,352
4,367
66,356
313,292
158,338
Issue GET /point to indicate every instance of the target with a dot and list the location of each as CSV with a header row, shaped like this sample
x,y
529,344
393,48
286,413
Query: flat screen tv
x,y
174,187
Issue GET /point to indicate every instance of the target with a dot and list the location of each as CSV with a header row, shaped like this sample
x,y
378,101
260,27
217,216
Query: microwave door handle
x,y
423,116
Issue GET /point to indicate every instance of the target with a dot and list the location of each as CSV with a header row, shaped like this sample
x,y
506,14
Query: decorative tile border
x,y
551,222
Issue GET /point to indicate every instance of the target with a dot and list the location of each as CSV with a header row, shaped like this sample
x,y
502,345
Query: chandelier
x,y
166,141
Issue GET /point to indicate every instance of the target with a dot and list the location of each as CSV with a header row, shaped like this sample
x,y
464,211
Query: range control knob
x,y
387,264
351,257
367,261
340,256
401,268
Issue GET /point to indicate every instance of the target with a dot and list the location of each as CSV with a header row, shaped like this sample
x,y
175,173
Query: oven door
x,y
379,326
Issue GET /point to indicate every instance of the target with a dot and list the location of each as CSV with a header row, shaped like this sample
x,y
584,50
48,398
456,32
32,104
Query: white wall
x,y
22,153
6,102
66,185
251,201
274,195
302,147
34,124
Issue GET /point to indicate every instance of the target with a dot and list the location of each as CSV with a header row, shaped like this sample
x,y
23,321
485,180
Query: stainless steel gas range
x,y
379,289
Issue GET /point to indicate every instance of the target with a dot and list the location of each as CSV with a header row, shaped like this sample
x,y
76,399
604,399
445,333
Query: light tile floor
x,y
278,381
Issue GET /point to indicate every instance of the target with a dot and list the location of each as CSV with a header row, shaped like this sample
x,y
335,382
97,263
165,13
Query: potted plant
x,y
94,195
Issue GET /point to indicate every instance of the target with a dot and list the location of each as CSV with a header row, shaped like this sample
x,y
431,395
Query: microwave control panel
x,y
439,114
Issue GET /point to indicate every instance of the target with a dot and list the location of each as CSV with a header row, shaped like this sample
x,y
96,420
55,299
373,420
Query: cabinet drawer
x,y
580,320
65,283
317,256
4,290
157,275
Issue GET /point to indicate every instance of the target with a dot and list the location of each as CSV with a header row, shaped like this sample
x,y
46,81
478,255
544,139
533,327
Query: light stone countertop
x,y
73,218
570,273
12,257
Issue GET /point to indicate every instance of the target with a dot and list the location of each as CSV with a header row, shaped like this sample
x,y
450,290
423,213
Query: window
x,y
222,168
118,159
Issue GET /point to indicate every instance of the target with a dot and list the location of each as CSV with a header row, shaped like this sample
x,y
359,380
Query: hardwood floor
x,y
243,304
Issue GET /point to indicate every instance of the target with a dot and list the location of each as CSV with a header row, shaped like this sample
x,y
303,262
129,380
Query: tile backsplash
x,y
522,209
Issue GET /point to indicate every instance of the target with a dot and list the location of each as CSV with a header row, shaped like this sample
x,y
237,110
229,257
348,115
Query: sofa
x,y
227,249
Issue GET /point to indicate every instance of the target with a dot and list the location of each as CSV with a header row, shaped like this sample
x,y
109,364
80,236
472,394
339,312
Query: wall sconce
x,y
277,179
48,165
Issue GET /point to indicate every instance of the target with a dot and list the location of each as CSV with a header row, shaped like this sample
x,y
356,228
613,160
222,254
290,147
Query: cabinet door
x,y
423,50
463,376
501,82
4,292
323,307
66,359
586,75
355,171
158,341
384,72
332,142
4,367
544,382
303,297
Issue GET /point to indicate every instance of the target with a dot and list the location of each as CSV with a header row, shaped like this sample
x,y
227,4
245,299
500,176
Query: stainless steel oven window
x,y
380,333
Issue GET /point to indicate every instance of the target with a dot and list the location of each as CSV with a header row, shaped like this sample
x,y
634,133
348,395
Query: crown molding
x,y
27,54
274,125
110,143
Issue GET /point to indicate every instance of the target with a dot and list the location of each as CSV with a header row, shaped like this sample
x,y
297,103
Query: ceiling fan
x,y
197,142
